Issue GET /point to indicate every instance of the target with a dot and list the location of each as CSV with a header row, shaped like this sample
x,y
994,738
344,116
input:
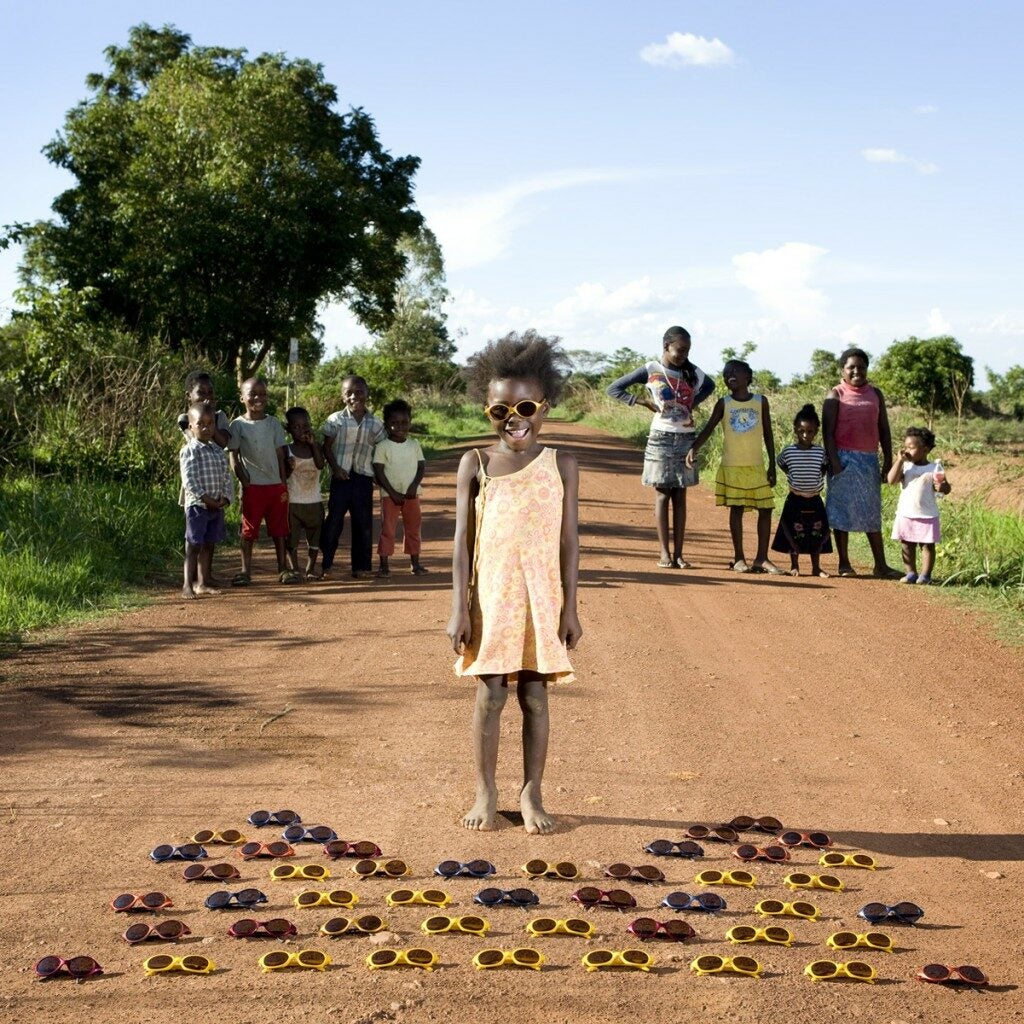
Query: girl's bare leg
x,y
764,533
206,584
491,693
533,702
661,500
927,559
736,530
678,524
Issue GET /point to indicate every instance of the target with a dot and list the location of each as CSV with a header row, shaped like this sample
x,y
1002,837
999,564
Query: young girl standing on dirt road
x,y
674,387
515,564
742,481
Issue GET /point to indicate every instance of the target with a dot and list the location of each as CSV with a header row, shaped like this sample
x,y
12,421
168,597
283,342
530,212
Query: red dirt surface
x,y
855,706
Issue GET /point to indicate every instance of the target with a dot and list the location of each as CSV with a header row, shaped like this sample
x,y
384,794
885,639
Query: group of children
x,y
674,387
280,482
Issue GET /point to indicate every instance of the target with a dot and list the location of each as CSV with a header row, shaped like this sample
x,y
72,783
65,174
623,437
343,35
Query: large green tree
x,y
930,373
218,199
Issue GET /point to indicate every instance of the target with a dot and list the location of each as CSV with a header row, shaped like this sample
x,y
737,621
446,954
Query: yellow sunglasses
x,y
822,970
472,924
636,959
230,836
414,957
279,959
366,924
283,872
711,964
744,878
334,898
570,926
803,880
524,409
773,933
776,908
430,897
542,869
847,860
189,964
521,957
391,868
851,940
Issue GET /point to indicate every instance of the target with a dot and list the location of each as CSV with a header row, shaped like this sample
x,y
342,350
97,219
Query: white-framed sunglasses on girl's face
x,y
500,411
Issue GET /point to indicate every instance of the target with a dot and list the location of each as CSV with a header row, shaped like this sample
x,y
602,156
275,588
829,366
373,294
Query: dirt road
x,y
862,708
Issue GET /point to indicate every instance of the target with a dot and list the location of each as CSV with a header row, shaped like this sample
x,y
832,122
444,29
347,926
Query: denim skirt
x,y
665,460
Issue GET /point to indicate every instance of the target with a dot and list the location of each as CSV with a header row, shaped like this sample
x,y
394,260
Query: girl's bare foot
x,y
189,594
480,817
202,588
536,820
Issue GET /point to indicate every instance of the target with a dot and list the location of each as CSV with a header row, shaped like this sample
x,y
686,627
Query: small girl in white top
x,y
917,513
303,462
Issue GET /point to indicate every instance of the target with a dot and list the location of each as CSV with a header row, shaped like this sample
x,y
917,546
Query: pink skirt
x,y
916,531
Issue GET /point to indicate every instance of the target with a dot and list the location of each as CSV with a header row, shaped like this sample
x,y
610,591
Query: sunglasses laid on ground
x,y
230,836
471,924
524,956
524,410
187,851
313,834
904,912
362,849
635,959
550,926
278,848
669,848
168,931
816,840
388,868
803,880
473,868
647,928
966,974
335,898
280,959
745,823
773,933
824,970
218,872
747,851
262,818
542,869
367,925
591,896
717,833
222,899
744,878
776,908
516,897
852,940
282,872
709,902
725,964
641,873
162,962
248,928
79,967
415,957
847,860
128,902
428,897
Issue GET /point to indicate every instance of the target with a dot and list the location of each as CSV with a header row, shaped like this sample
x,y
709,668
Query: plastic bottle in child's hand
x,y
939,474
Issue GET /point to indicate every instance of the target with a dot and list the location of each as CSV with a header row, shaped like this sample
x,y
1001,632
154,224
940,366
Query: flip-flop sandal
x,y
767,567
666,565
822,575
289,577
681,563
793,572
383,574
739,567
846,574
241,579
420,570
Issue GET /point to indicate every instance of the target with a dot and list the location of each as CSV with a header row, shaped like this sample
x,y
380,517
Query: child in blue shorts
x,y
206,482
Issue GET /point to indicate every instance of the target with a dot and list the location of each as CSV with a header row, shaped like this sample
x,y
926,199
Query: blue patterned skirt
x,y
665,460
854,499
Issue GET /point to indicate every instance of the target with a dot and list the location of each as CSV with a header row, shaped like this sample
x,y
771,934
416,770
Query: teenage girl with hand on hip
x,y
515,564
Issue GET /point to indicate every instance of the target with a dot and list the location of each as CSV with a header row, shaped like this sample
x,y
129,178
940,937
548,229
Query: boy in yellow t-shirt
x,y
398,466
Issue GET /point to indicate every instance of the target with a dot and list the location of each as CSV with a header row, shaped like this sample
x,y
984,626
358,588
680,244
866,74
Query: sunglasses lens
x,y
194,871
536,867
859,969
364,849
308,899
832,859
223,870
244,928
336,926
204,835
776,853
282,871
577,926
878,911
320,833
678,929
123,901
383,957
800,878
742,822
249,897
217,900
698,832
159,962
709,963
365,867
771,906
435,896
791,838
190,850
448,868
136,933
844,940
879,940
314,871
490,897
402,895
862,860
822,968
660,847
599,956
341,896
677,900
488,957
417,955
820,839
275,959
709,877
293,833
618,870
769,824
162,852
742,933
370,923
154,900
48,965
473,923
936,972
746,851
171,930
230,835
437,924
277,849
746,964
778,934
972,974
620,898
526,897
565,869
498,412
396,868
336,848
635,956
645,927
830,881
904,911
286,818
728,834
588,894
250,849
742,876
479,867
649,873
259,818
312,958
710,901
804,909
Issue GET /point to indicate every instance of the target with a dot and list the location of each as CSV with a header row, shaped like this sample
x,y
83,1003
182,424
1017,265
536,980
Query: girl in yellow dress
x,y
515,564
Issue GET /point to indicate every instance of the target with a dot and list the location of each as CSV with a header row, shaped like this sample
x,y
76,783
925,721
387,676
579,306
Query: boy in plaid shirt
x,y
206,481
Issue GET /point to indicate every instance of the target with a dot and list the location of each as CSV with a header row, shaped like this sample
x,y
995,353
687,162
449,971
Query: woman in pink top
x,y
855,423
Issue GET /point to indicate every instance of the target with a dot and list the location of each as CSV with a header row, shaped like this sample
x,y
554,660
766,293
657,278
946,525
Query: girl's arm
x,y
829,419
895,474
318,452
569,628
617,389
769,439
706,389
884,435
282,464
414,487
713,420
460,628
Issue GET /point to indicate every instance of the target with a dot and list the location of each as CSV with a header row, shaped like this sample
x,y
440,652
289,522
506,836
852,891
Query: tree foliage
x,y
219,199
924,372
1006,391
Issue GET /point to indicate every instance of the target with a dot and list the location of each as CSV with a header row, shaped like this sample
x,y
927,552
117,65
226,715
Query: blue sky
x,y
802,175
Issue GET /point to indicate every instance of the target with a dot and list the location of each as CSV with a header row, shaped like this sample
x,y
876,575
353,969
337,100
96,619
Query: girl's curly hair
x,y
529,356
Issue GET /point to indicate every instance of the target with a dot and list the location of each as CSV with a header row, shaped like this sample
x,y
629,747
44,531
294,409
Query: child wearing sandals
x,y
674,388
917,512
803,525
515,564
303,461
742,481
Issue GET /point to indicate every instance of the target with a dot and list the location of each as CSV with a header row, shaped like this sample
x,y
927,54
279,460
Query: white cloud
x,y
684,48
590,298
780,279
892,156
937,324
925,108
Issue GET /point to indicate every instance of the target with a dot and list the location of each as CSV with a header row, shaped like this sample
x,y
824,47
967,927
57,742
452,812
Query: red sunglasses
x,y
150,901
169,931
817,840
277,928
591,896
275,849
78,967
218,872
648,928
747,851
362,849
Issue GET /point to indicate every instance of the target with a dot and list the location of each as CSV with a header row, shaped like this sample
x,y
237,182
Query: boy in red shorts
x,y
257,449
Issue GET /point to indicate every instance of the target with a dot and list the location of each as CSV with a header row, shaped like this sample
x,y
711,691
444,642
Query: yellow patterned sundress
x,y
516,601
